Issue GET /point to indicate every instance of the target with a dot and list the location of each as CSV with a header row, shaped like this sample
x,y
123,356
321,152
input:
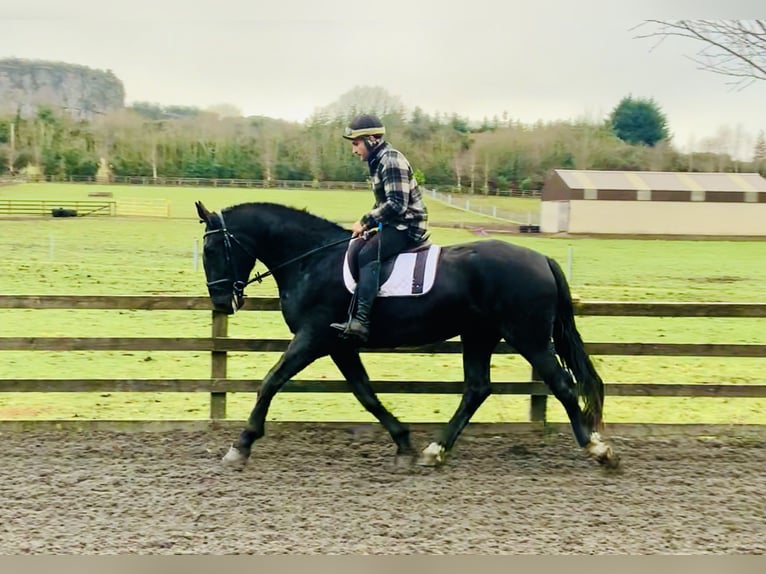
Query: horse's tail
x,y
570,348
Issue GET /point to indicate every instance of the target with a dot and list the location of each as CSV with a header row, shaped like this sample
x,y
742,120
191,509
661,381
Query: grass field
x,y
156,256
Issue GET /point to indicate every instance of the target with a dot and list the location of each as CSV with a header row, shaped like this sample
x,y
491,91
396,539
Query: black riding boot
x,y
366,291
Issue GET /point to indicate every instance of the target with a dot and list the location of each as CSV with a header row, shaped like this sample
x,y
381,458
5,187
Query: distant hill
x,y
83,92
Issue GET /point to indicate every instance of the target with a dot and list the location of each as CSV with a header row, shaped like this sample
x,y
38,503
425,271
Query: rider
x,y
399,213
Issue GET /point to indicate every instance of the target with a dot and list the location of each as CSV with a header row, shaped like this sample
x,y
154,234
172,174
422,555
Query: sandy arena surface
x,y
325,491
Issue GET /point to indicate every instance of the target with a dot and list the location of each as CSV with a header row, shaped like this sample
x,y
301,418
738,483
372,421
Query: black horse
x,y
483,292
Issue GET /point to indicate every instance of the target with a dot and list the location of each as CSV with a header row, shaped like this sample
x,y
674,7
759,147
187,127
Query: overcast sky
x,y
536,60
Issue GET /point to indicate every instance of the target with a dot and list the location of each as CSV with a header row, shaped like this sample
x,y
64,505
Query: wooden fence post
x,y
218,366
537,403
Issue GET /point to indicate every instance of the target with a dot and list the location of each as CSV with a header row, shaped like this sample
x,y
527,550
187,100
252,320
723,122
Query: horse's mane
x,y
287,218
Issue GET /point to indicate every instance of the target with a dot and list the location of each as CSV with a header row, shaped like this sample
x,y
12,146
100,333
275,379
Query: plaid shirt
x,y
398,201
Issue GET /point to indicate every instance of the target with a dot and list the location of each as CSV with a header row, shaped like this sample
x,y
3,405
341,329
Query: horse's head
x,y
226,260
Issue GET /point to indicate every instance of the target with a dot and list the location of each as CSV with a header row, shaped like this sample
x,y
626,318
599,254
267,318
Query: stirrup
x,y
361,333
341,326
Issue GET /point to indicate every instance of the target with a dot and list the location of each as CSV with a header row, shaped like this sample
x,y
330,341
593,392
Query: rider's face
x,y
358,148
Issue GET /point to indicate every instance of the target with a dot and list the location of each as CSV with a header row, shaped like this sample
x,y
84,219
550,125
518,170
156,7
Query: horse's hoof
x,y
432,455
602,452
609,459
234,457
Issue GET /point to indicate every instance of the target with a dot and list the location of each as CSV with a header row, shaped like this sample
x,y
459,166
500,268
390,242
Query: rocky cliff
x,y
82,92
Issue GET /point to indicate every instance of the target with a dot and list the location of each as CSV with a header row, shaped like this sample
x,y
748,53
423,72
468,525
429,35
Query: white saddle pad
x,y
413,274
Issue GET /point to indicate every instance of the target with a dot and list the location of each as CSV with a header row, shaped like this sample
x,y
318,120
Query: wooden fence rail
x,y
219,344
46,207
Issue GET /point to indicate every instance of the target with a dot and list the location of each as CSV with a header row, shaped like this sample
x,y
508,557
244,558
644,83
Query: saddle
x,y
409,273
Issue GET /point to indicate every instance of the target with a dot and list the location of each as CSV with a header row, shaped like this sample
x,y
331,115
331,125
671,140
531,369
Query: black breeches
x,y
391,242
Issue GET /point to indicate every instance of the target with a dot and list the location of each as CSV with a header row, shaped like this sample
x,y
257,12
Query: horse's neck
x,y
279,244
279,247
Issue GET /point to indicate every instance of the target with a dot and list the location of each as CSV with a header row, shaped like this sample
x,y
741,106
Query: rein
x,y
260,276
239,286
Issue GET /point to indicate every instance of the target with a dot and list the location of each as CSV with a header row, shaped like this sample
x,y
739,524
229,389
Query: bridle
x,y
228,238
239,286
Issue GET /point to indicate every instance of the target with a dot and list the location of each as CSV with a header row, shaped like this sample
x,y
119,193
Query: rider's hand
x,y
357,229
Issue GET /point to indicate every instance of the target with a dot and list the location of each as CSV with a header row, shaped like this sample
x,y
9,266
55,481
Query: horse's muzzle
x,y
228,304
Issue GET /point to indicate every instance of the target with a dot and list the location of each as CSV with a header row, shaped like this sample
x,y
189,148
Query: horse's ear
x,y
202,211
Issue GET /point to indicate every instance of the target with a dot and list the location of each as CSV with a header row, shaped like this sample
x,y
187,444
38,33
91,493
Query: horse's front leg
x,y
300,354
350,365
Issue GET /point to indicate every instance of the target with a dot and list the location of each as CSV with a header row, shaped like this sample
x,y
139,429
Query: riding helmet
x,y
364,125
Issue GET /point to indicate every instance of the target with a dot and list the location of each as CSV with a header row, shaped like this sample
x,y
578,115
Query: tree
x,y
639,121
225,110
734,48
759,152
364,99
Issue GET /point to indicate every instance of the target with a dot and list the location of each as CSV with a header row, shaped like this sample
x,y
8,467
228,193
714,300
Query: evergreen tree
x,y
639,121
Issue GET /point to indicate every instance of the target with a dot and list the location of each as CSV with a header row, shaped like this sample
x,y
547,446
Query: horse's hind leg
x,y
477,352
563,388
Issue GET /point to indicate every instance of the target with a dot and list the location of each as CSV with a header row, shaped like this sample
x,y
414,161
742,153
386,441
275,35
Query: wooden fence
x,y
142,207
126,207
250,183
38,207
219,344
